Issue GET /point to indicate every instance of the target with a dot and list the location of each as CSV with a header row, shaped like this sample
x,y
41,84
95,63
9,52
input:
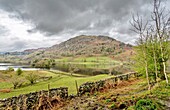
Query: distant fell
x,y
33,50
87,46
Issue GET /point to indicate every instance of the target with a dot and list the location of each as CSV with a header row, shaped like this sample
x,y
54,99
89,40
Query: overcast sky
x,y
28,24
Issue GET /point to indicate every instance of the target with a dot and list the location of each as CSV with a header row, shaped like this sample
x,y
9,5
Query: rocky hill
x,y
89,45
83,46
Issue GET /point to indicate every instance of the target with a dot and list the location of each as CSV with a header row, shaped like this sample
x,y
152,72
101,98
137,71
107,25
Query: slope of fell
x,y
87,46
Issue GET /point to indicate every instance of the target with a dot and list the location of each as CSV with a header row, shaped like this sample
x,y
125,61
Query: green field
x,y
88,60
59,79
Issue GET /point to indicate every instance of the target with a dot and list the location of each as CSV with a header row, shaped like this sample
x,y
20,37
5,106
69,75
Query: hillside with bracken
x,y
84,46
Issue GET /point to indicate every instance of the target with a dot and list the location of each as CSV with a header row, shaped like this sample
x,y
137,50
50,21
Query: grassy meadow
x,y
59,79
101,62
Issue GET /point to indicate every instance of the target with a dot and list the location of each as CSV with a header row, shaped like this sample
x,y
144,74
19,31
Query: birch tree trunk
x,y
161,26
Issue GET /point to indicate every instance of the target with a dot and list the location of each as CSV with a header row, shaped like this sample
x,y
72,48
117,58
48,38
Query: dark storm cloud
x,y
54,16
63,19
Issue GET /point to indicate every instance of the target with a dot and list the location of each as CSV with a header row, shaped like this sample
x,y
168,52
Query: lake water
x,y
78,68
5,66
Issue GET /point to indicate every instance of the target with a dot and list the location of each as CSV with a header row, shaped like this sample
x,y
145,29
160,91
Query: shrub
x,y
32,78
145,104
17,82
19,71
108,100
10,69
113,106
131,108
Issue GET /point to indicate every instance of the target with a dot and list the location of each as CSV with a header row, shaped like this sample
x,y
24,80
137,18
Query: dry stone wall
x,y
107,83
32,100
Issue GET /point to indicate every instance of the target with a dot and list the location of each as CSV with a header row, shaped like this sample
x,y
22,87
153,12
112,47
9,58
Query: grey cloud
x,y
54,16
73,17
11,5
16,45
3,30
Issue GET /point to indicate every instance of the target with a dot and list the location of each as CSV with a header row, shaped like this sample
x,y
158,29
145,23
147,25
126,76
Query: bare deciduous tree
x,y
153,41
162,22
140,28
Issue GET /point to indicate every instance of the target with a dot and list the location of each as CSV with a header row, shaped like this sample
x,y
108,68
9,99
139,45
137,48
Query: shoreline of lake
x,y
5,66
